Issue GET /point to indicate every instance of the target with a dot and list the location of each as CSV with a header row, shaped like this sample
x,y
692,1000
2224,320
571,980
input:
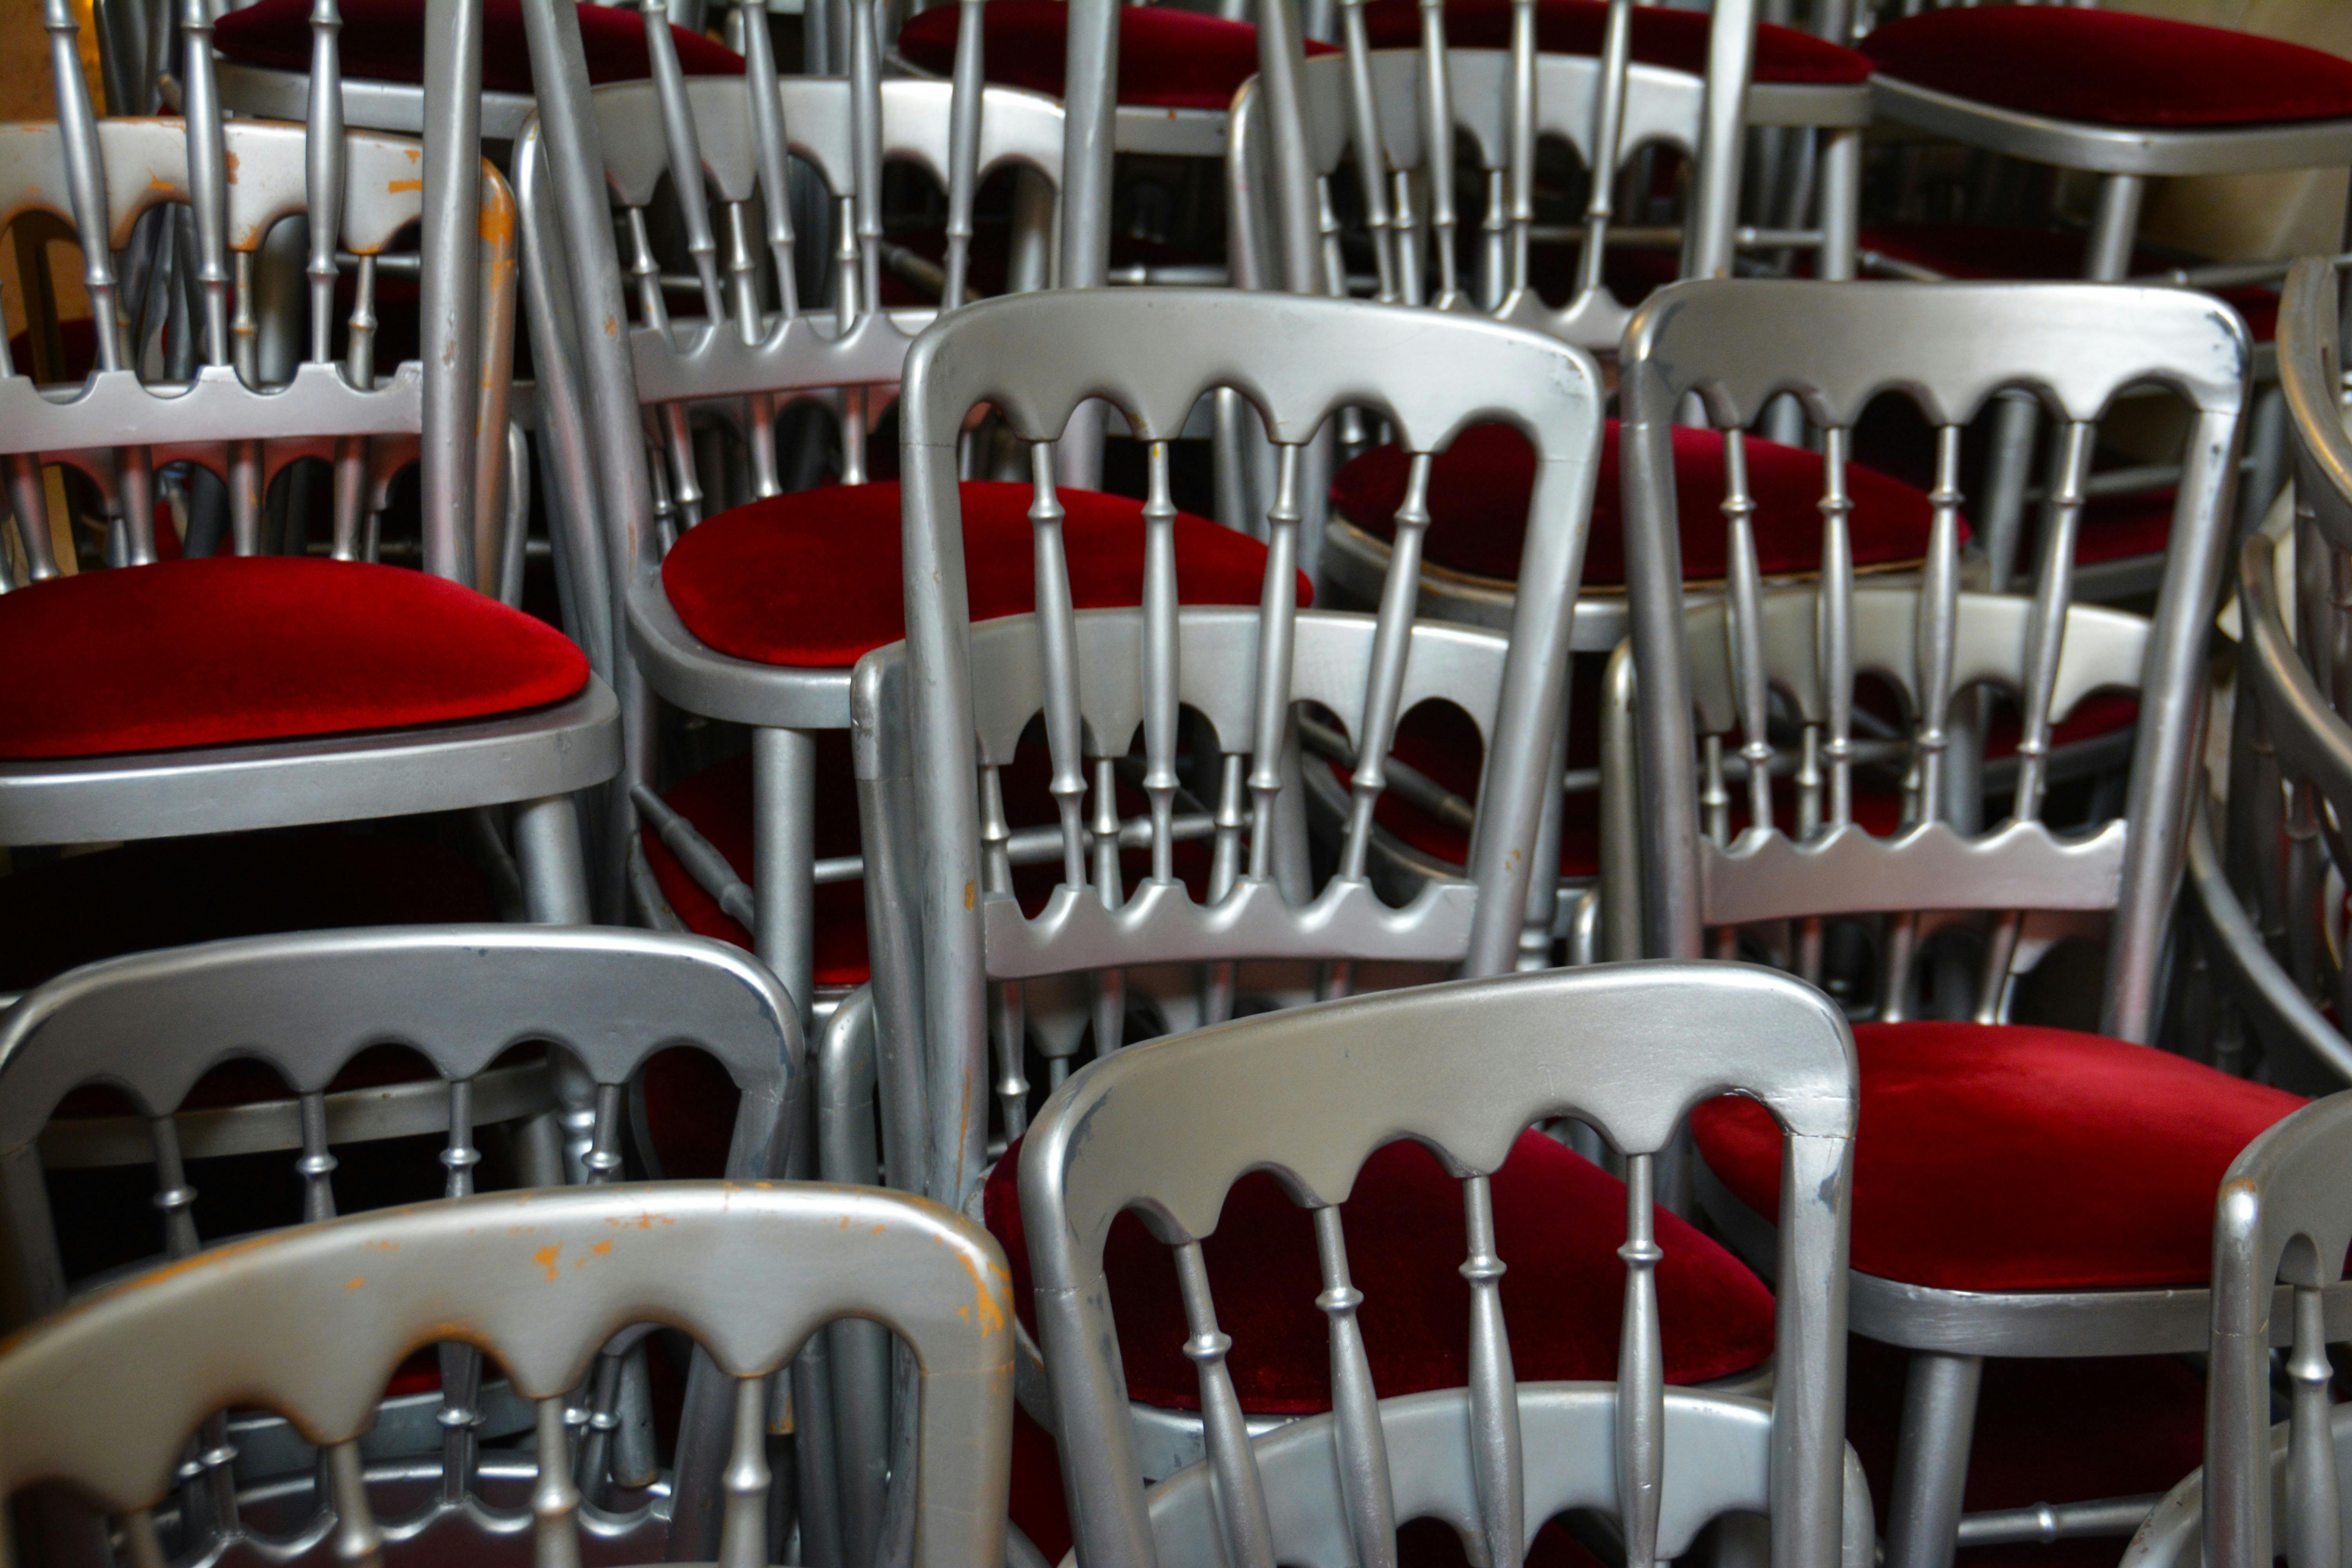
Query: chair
x,y
2280,1231
302,1009
169,697
2127,98
2258,883
311,1322
1306,1103
754,613
1995,1214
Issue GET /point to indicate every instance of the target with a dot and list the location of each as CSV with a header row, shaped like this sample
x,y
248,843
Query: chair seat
x,y
1674,39
1167,59
2013,1157
2111,67
812,579
1980,250
237,649
718,801
1479,488
1559,1220
384,40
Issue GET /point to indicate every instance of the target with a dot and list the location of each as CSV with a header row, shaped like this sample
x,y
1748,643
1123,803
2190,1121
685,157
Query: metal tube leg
x,y
2266,446
2014,425
784,856
1931,1464
555,892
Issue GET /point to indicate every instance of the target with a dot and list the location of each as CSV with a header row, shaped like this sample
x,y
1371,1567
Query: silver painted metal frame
x,y
150,1024
1951,348
311,1322
1166,1128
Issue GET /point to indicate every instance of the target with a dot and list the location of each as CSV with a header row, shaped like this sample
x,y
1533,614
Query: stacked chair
x,y
794,787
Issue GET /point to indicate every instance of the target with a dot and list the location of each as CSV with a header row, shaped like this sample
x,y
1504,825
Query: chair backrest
x,y
1166,1129
2290,751
1097,677
1413,134
1608,109
150,1024
188,206
310,1324
1947,348
2283,1217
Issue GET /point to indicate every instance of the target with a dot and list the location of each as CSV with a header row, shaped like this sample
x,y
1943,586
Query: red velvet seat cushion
x,y
1167,59
2111,67
2020,1158
262,648
1559,1219
2004,251
812,579
1479,488
1662,36
718,801
384,40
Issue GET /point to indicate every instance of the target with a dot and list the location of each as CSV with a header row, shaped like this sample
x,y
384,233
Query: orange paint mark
x,y
545,1258
967,895
355,1281
231,158
397,186
602,1248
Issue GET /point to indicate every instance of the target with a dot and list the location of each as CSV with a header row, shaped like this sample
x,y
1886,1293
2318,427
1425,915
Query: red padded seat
x,y
1558,1222
1167,59
384,40
2111,67
261,647
2014,1157
1977,250
1480,486
812,579
1674,39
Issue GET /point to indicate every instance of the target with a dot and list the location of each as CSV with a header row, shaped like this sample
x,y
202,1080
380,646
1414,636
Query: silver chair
x,y
1887,850
310,1323
1168,1128
150,1027
174,697
2260,883
2129,99
743,607
2281,1226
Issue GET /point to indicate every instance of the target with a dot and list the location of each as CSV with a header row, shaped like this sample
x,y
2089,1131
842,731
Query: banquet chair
x,y
752,608
309,1323
1997,1213
2260,882
305,1011
1312,1105
2129,100
2281,1226
206,684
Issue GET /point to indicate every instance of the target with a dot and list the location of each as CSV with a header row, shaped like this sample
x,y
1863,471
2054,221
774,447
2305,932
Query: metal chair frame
x,y
152,1024
449,412
2280,1224
1166,1129
1951,348
311,1323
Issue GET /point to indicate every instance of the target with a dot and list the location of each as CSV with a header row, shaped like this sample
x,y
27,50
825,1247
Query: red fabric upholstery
x,y
1479,488
2111,67
1559,1219
718,801
170,892
2001,250
2017,1157
1662,37
811,579
384,40
263,647
1167,59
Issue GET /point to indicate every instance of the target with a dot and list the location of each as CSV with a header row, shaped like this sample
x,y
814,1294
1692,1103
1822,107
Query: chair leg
x,y
547,854
1931,1463
784,856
